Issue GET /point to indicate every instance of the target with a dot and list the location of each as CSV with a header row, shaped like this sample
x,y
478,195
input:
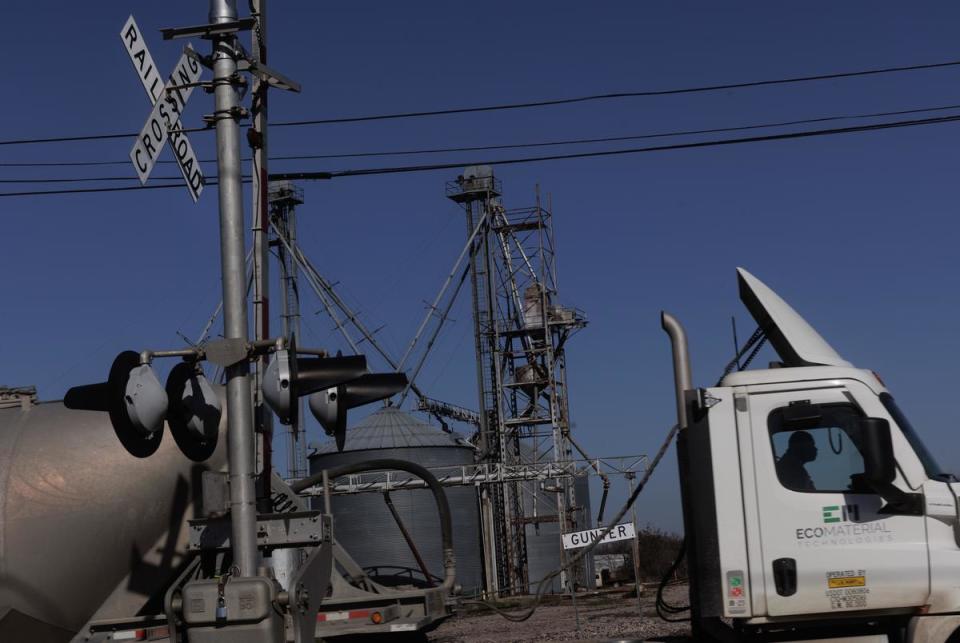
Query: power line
x,y
91,179
161,186
88,190
620,95
101,179
613,139
88,137
531,104
508,146
293,176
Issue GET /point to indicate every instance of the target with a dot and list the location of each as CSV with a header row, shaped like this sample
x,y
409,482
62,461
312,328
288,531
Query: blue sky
x,y
857,232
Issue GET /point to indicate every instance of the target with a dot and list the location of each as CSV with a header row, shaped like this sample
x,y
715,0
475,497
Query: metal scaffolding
x,y
525,471
486,473
284,197
520,337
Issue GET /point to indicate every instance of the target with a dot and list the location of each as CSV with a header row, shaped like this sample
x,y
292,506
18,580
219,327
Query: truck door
x,y
826,545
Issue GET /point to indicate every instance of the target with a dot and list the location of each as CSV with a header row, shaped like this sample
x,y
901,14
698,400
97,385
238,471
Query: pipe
x,y
260,228
433,337
443,507
407,537
596,466
603,500
682,380
443,289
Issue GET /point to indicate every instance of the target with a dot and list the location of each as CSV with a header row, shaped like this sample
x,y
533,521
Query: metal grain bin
x,y
363,524
544,546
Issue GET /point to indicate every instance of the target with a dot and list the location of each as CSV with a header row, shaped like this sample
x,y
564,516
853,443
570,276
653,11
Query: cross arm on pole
x,y
210,30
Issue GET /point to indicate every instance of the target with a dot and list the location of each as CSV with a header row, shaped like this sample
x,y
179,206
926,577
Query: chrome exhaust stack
x,y
682,379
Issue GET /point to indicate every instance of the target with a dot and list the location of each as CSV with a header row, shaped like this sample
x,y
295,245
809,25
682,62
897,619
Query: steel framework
x,y
284,197
486,473
525,471
520,339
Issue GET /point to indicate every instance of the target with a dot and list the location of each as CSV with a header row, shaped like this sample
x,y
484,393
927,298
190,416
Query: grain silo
x,y
544,545
364,525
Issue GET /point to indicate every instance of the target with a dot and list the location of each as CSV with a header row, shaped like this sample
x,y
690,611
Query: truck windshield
x,y
933,469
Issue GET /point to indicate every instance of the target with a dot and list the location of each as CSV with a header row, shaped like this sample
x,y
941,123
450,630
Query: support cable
x,y
319,286
433,338
324,290
205,333
467,249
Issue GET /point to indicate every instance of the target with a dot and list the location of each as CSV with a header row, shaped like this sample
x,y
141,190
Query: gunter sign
x,y
584,538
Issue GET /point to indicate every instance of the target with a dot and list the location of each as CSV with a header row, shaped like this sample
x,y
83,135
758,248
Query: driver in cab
x,y
801,449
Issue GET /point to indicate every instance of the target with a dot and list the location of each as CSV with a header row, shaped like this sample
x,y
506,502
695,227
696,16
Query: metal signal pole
x,y
240,437
257,139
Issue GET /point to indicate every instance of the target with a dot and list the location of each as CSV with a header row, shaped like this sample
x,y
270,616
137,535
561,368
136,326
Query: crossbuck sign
x,y
584,538
168,100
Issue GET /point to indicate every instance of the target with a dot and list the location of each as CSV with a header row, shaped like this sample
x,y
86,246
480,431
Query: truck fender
x,y
933,629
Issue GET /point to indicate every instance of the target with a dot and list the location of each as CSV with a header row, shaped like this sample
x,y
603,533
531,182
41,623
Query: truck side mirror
x,y
880,469
879,465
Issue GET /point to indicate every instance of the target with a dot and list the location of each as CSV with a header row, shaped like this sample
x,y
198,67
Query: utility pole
x,y
260,227
240,436
630,475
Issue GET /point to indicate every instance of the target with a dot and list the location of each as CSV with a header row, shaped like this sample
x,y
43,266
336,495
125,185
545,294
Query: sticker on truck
x,y
736,592
847,589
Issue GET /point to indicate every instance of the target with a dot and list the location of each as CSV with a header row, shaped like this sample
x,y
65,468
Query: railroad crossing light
x,y
330,406
195,411
288,378
135,400
138,404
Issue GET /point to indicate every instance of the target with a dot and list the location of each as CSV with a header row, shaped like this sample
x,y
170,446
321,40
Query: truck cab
x,y
812,509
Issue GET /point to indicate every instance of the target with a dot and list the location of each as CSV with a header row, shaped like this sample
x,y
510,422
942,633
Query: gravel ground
x,y
602,617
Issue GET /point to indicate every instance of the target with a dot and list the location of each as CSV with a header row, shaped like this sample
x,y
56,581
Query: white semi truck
x,y
812,509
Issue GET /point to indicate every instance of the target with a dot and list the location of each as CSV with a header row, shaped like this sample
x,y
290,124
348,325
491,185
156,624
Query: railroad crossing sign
x,y
584,538
168,101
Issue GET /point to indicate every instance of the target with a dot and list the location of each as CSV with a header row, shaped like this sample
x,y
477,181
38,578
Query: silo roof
x,y
391,428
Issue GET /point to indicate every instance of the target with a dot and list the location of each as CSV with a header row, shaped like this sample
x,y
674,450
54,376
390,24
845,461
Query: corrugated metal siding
x,y
585,518
363,523
544,544
391,428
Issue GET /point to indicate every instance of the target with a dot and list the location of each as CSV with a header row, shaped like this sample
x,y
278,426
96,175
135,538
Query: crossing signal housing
x,y
330,405
334,384
287,378
138,405
135,400
195,411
